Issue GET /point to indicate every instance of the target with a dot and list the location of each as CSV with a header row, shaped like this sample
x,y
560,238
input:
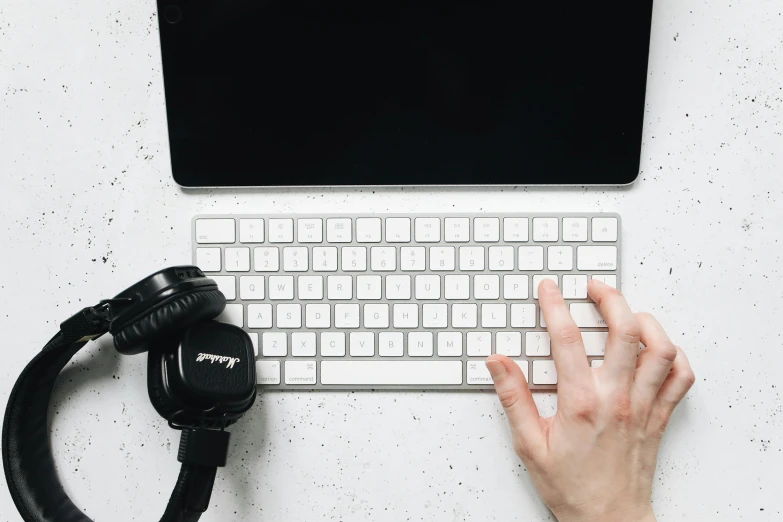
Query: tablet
x,y
267,93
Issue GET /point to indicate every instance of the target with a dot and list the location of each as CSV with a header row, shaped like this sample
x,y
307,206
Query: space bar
x,y
391,372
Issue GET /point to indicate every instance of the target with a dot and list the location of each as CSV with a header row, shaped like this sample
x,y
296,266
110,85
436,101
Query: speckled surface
x,y
87,206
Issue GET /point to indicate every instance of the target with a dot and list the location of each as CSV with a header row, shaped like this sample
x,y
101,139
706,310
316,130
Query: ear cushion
x,y
161,401
169,318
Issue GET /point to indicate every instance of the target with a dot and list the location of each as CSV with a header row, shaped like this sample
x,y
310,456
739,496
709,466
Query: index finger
x,y
567,348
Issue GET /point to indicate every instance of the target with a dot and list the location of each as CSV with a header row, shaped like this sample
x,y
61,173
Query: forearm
x,y
634,515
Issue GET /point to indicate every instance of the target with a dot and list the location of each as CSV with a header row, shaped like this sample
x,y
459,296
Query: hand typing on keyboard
x,y
594,460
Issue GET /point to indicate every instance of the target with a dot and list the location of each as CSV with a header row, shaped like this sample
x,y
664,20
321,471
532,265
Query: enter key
x,y
587,315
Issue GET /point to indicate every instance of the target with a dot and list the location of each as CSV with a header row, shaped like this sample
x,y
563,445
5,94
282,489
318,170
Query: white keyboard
x,y
405,302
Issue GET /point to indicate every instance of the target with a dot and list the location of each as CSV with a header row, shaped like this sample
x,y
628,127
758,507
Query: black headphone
x,y
201,379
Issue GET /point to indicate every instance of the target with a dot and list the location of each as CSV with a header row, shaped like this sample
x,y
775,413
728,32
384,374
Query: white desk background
x,y
87,207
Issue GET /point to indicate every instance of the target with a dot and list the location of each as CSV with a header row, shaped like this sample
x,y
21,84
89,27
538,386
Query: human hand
x,y
594,460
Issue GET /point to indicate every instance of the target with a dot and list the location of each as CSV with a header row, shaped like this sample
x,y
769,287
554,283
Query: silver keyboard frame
x,y
376,357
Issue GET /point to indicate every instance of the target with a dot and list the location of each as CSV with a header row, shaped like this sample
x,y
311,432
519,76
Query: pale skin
x,y
594,460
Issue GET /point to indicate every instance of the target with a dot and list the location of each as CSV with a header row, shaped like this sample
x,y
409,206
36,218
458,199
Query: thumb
x,y
516,399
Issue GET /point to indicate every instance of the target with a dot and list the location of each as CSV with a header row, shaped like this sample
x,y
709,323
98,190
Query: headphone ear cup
x,y
161,400
168,319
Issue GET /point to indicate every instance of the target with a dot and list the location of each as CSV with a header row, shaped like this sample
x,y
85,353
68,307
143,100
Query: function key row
x,y
406,230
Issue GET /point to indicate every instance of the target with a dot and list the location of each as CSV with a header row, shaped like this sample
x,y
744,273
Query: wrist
x,y
635,514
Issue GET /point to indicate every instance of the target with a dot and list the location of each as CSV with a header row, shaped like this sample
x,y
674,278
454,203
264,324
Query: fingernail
x,y
496,369
598,282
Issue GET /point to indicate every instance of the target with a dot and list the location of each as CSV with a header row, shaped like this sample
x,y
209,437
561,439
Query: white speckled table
x,y
87,206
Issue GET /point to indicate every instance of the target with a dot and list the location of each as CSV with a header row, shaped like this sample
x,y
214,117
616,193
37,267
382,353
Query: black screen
x,y
265,93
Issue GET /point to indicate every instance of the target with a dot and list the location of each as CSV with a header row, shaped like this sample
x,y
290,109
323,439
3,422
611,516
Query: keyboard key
x,y
208,259
515,230
596,258
259,316
442,258
310,230
289,315
362,344
346,315
486,286
398,287
368,230
508,343
537,344
295,259
604,229
398,230
478,374
227,286
303,344
338,230
281,288
537,281
523,315
545,230
281,230
595,343
471,259
456,230
237,259
427,230
515,287
427,286
376,315
233,314
215,230
464,315
254,340
300,372
587,315
406,316
251,288
610,280
382,373
479,344
560,258
486,230
434,315
268,372
420,344
354,259
575,286
368,287
574,229
390,344
501,258
318,316
493,316
383,259
449,344
544,372
339,287
251,230
274,344
266,259
310,287
325,259
333,344
531,257
412,258
456,287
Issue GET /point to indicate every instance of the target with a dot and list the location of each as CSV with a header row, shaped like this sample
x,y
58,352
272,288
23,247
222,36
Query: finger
x,y
568,351
680,379
622,344
655,359
516,399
